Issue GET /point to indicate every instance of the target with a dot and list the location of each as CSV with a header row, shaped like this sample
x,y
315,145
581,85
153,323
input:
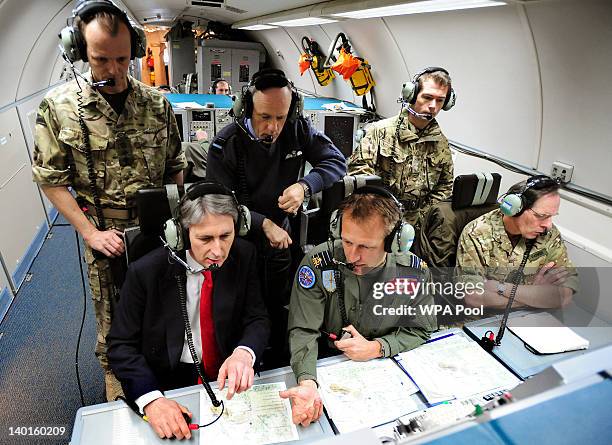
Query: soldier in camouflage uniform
x,y
409,151
493,246
134,144
323,281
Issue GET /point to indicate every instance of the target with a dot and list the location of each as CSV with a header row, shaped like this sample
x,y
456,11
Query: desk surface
x,y
108,423
524,363
111,422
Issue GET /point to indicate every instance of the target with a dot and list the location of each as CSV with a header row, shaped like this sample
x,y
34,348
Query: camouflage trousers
x,y
101,285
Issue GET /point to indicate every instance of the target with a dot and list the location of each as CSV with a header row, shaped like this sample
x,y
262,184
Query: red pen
x,y
191,426
332,337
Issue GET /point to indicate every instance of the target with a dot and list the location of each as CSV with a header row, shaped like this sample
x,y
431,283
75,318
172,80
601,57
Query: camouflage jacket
x,y
485,251
315,305
141,148
417,167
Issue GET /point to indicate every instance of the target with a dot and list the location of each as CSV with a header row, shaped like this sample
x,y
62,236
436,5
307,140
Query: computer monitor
x,y
341,130
182,120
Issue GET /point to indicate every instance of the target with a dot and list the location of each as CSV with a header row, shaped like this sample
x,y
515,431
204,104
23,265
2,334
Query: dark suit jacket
x,y
147,334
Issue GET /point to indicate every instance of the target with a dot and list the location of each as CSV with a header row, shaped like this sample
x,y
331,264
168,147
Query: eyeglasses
x,y
542,216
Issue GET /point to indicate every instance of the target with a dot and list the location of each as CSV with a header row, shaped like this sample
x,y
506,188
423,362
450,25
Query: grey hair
x,y
192,211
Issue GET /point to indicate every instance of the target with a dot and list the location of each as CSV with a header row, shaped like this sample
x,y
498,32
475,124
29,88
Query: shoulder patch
x,y
306,277
329,280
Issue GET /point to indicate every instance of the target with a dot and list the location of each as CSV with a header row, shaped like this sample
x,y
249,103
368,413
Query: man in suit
x,y
149,348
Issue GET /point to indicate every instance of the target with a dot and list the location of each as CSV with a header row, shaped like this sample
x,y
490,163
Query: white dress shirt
x,y
194,288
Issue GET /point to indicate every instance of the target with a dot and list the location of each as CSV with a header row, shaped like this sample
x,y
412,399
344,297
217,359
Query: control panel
x,y
222,118
202,120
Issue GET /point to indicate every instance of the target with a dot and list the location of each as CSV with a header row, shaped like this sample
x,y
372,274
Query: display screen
x,y
340,130
179,123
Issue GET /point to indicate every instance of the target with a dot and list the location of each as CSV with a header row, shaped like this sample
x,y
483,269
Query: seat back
x,y
315,224
473,196
436,242
153,211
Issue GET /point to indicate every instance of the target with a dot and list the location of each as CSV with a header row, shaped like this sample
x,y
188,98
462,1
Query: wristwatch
x,y
306,188
501,288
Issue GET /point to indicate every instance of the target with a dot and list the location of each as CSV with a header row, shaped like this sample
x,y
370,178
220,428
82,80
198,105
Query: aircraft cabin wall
x,y
531,80
532,87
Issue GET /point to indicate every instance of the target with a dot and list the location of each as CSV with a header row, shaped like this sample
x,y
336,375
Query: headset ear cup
x,y
244,220
247,103
69,44
173,234
139,46
408,92
511,204
237,109
415,91
335,225
403,239
450,102
297,106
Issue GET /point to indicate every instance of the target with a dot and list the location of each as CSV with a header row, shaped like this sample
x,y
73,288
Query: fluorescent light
x,y
306,21
257,27
419,7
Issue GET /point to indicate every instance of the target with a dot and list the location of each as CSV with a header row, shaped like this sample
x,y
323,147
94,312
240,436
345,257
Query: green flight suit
x,y
315,306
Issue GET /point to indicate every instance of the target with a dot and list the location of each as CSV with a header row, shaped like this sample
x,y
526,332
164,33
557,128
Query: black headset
x,y
72,41
513,204
213,86
401,237
411,90
177,236
262,80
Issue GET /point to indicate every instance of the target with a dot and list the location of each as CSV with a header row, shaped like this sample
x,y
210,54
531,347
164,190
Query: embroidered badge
x,y
306,277
322,260
329,280
539,254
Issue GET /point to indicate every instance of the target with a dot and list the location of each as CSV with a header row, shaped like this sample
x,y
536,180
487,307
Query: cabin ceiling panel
x,y
231,11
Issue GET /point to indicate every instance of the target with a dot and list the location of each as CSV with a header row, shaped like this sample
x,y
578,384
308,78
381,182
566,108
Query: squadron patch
x,y
329,280
306,277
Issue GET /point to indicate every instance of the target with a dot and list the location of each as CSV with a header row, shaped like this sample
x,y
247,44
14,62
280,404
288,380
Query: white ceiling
x,y
146,11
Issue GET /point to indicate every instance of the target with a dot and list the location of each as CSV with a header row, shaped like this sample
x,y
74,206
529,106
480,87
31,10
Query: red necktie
x,y
210,353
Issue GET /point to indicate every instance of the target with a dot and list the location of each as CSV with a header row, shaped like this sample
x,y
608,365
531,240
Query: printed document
x,y
255,417
546,334
365,394
455,367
